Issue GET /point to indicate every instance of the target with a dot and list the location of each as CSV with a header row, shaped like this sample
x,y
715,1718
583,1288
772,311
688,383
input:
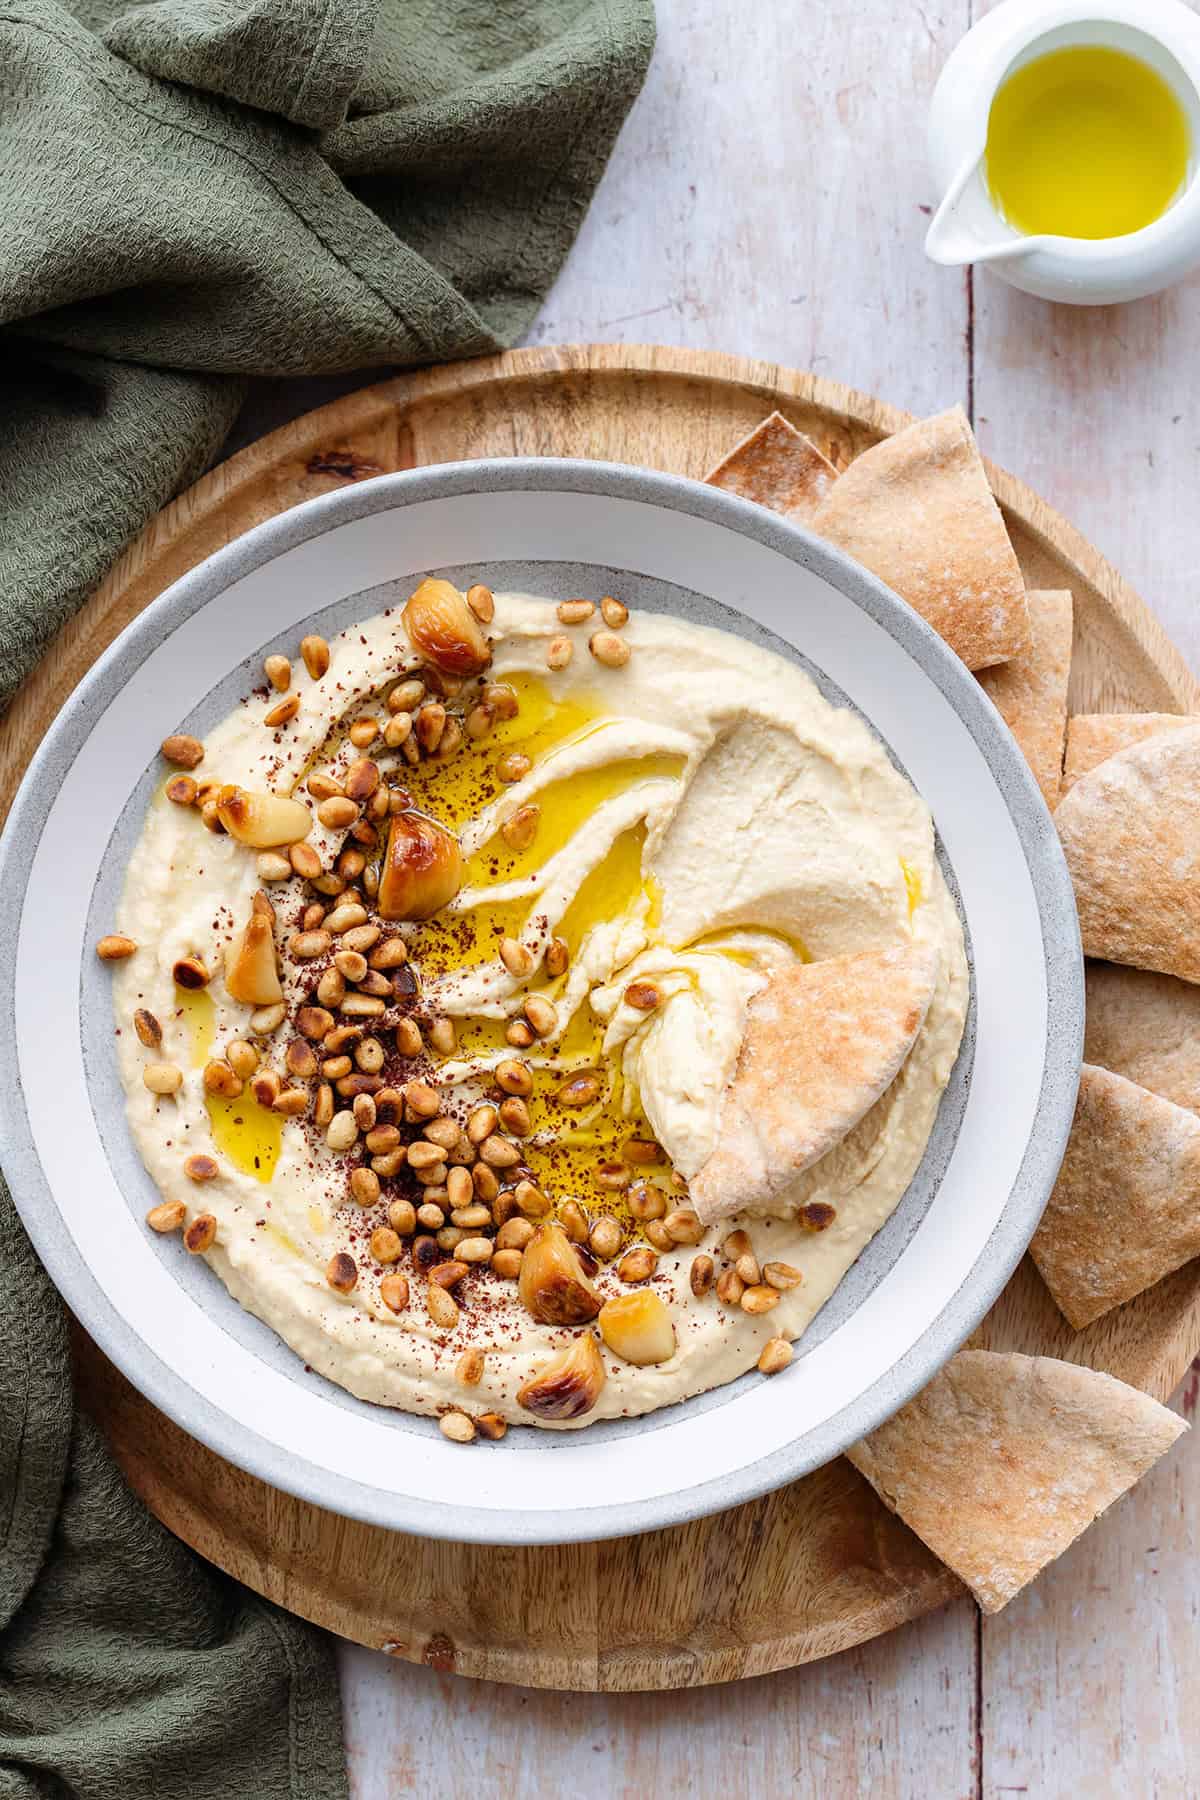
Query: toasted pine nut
x,y
759,1299
497,1152
442,1036
781,1275
114,947
513,766
574,1221
456,1425
701,1275
337,812
393,1291
201,1234
474,1250
521,829
737,1244
315,652
341,1272
423,1100
402,1217
182,790
482,1123
657,1235
162,1078
614,612
469,1367
304,860
612,1175
148,1029
646,1202
643,996
273,866
284,712
605,1238
574,612
518,1034
637,1265
278,671
364,1186
611,651
730,1287
442,1307
293,1103
362,733
557,956
267,1019
169,1216
559,652
747,1267
514,1077
541,1015
342,1131
776,1355
641,1150
507,1264
184,751
406,696
482,603
516,958
531,1200
219,1078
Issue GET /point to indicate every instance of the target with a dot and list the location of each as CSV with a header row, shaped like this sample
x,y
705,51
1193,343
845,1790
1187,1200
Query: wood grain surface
x,y
820,1565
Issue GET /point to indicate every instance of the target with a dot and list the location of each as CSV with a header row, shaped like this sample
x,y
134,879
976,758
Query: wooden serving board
x,y
819,1565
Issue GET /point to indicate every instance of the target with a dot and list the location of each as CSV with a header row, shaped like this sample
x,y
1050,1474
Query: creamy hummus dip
x,y
515,932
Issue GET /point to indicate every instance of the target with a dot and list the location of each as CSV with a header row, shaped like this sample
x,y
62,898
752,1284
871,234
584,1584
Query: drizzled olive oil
x,y
1086,142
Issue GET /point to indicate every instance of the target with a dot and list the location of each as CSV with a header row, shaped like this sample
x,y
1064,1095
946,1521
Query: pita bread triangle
x,y
779,468
1125,1210
823,1041
1030,691
1003,1460
1145,1027
918,511
1093,737
1130,831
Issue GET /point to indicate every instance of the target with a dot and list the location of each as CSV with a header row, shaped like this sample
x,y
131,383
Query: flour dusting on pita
x,y
1093,737
1003,1460
918,511
778,467
1130,831
823,1041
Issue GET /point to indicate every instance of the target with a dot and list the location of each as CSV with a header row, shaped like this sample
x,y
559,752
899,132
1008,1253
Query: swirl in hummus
x,y
519,932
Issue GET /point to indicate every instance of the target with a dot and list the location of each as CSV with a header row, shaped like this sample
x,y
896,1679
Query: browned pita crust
x,y
1147,1028
1030,691
1003,1460
823,1041
1130,831
1125,1209
1093,737
779,468
917,509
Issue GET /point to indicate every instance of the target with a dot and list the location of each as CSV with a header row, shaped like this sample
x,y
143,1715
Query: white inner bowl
x,y
919,1288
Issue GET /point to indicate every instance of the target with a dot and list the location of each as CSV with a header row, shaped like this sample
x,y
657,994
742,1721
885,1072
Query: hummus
x,y
649,827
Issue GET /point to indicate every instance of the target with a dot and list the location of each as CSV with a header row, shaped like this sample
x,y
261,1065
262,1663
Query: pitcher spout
x,y
966,229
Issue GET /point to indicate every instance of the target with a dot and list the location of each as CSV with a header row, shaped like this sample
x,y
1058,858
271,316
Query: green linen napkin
x,y
192,193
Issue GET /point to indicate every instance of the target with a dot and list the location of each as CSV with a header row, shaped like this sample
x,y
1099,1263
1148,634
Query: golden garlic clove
x,y
445,630
262,821
637,1327
553,1286
422,868
251,971
568,1385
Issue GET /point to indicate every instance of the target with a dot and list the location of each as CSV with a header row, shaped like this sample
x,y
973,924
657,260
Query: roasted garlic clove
x,y
553,1286
262,820
568,1385
422,868
445,630
637,1327
251,971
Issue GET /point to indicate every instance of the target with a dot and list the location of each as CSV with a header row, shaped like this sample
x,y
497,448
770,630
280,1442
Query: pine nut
x,y
115,947
637,1265
701,1275
482,603
611,651
442,1308
456,1425
402,1217
559,652
342,1131
541,1015
776,1355
278,671
162,1078
758,1299
393,1291
507,1264
341,1272
513,767
574,612
283,713
184,751
182,790
148,1029
201,1234
167,1217
315,652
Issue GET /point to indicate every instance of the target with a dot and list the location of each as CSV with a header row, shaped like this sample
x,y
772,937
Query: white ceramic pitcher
x,y
967,228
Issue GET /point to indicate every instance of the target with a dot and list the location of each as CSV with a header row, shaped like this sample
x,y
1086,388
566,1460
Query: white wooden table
x,y
769,196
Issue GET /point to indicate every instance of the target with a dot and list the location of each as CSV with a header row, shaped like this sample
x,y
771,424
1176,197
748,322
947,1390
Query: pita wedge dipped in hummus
x,y
535,1009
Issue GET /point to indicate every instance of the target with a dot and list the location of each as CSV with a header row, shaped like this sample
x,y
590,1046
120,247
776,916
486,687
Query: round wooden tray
x,y
819,1565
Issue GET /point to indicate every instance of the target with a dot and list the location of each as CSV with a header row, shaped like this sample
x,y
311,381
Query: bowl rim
x,y
1048,874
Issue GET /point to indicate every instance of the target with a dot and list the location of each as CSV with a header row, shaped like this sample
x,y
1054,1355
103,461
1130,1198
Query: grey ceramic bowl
x,y
559,528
